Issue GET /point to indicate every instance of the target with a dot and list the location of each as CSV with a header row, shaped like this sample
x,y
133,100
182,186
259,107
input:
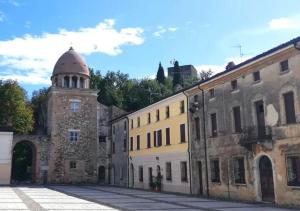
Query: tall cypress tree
x,y
176,74
160,75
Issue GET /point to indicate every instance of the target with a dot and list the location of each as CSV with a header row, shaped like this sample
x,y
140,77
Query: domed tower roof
x,y
70,62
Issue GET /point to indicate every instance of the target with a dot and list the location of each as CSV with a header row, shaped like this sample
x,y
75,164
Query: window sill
x,y
212,99
256,82
240,184
216,183
284,72
184,181
293,187
233,91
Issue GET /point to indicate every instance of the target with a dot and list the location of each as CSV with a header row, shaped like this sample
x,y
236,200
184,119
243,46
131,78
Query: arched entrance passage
x,y
101,174
266,179
23,163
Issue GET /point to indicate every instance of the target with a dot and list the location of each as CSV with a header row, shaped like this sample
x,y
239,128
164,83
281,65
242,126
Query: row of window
x,y
292,168
284,67
168,173
289,108
157,138
157,115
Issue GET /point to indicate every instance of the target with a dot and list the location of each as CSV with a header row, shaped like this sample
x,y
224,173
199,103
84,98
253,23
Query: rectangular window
x,y
237,119
157,115
73,165
125,126
211,93
167,112
141,176
148,140
168,171
214,129
114,130
182,133
159,138
289,107
138,144
182,106
215,170
132,124
256,76
284,66
149,118
183,170
138,121
74,106
124,145
73,136
197,127
131,143
239,170
196,98
102,139
154,139
293,170
113,147
234,85
168,139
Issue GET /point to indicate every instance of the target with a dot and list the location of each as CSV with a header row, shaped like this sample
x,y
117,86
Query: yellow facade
x,y
175,119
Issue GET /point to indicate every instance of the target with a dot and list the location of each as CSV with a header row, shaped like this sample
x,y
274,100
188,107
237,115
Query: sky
x,y
133,36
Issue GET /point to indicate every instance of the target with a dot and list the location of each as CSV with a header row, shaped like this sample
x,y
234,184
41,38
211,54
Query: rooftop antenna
x,y
240,47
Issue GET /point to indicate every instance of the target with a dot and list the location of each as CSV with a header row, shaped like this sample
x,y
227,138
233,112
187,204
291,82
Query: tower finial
x,y
71,48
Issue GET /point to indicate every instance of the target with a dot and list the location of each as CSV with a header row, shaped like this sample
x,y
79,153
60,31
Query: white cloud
x,y
14,3
219,68
283,23
2,16
31,58
162,30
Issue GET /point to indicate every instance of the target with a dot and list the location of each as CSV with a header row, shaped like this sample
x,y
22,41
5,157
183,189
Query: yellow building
x,y
158,146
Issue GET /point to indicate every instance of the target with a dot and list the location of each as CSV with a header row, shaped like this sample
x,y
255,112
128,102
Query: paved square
x,y
64,198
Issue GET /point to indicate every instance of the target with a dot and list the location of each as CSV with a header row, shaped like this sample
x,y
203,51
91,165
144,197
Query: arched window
x,y
55,81
66,81
74,82
81,83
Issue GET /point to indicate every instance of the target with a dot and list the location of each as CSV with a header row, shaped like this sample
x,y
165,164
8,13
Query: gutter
x,y
189,141
205,140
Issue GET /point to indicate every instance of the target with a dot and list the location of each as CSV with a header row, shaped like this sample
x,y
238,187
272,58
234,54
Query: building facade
x,y
186,71
5,157
245,131
158,146
119,152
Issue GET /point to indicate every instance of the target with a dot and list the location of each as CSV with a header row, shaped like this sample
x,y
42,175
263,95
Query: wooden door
x,y
266,179
200,178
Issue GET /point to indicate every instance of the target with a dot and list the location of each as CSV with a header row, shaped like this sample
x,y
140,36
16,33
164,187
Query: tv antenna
x,y
242,54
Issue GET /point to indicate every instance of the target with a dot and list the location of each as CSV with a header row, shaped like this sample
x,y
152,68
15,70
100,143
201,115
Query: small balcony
x,y
257,135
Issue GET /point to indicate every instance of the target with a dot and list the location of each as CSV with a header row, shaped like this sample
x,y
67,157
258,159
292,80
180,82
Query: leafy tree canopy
x,y
15,113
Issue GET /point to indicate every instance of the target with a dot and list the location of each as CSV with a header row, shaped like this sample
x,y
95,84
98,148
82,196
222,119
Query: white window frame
x,y
75,105
73,135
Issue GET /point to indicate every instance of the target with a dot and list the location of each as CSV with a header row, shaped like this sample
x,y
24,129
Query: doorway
x,y
23,163
266,179
101,174
199,164
132,175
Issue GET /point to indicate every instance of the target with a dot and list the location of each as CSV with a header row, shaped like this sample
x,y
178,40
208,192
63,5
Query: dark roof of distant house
x,y
266,53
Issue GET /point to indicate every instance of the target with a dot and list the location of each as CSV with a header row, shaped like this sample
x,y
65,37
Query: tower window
x,y
75,106
73,136
81,83
66,82
74,82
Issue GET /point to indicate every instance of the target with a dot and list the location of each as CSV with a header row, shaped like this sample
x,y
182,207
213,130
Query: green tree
x,y
160,76
176,75
15,112
205,74
39,102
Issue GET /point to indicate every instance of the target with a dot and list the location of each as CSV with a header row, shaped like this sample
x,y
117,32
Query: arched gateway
x,y
23,163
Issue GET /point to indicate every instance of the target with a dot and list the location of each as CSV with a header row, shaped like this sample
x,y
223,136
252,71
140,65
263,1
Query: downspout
x,y
127,150
205,141
189,141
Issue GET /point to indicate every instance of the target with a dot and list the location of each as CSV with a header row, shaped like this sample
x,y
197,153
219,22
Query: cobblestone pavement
x,y
64,198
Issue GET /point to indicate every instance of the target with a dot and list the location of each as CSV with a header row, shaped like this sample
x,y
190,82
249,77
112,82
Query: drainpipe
x,y
189,141
204,137
127,150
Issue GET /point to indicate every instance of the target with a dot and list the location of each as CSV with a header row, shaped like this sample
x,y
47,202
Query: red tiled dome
x,y
70,62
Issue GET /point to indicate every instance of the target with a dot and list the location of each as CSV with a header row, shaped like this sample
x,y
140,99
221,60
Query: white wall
x,y
6,139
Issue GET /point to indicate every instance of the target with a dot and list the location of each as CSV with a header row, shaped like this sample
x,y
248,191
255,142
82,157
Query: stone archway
x,y
265,182
24,163
101,174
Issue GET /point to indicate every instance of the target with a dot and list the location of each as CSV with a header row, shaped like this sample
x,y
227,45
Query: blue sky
x,y
133,36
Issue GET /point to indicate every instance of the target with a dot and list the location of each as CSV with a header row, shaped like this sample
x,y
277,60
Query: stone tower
x,y
72,122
